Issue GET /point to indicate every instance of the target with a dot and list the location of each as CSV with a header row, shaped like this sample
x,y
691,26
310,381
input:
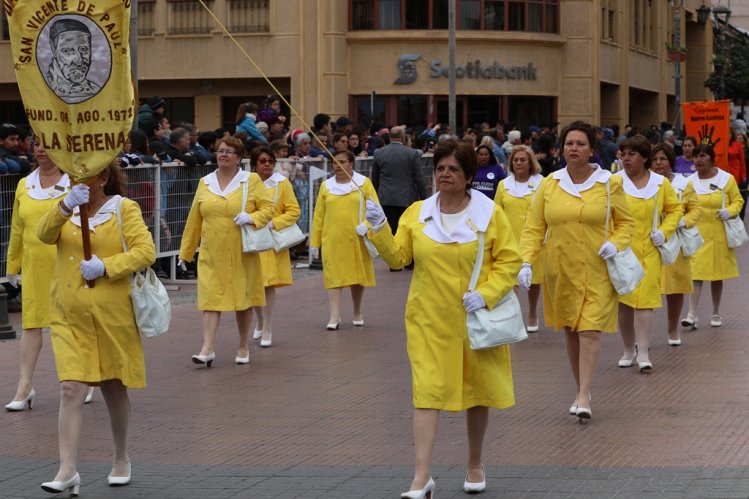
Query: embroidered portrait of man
x,y
68,70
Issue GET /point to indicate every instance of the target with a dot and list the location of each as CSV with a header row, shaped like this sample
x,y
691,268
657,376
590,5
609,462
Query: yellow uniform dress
x,y
277,266
94,336
228,279
346,261
715,261
641,204
515,199
446,373
676,279
27,255
577,291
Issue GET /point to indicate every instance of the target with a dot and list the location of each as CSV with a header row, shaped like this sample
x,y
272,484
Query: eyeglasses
x,y
226,151
266,161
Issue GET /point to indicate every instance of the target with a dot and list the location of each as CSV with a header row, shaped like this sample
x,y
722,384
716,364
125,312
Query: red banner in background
x,y
710,122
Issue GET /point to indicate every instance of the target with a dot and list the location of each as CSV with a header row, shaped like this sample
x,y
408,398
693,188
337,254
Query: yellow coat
x,y
647,294
676,279
715,261
577,291
94,336
346,261
446,373
27,255
516,206
228,279
277,266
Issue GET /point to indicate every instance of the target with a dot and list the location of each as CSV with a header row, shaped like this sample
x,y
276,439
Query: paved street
x,y
328,414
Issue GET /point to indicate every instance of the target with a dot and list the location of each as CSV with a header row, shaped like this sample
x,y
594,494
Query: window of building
x,y
146,17
4,27
538,16
189,17
608,20
644,21
248,16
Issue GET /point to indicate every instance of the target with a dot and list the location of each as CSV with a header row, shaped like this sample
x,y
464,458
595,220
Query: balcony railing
x,y
189,17
248,16
146,17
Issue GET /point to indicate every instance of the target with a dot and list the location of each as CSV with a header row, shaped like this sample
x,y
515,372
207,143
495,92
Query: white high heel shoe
x,y
267,343
119,481
257,334
475,487
19,405
74,484
426,493
89,396
204,359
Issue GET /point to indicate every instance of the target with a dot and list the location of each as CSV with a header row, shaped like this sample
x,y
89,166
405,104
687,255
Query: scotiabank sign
x,y
475,70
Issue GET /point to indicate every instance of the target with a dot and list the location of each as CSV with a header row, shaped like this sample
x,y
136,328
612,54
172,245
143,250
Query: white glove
x,y
77,196
315,252
362,229
181,265
525,276
91,269
243,218
682,223
473,301
723,214
375,215
14,280
657,237
607,250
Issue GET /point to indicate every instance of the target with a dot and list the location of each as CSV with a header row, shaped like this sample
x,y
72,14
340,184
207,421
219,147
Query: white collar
x,y
521,190
105,213
36,191
566,184
343,189
478,214
679,182
647,192
719,181
274,180
211,180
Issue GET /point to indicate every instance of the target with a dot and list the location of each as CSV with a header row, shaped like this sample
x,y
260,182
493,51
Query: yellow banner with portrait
x,y
72,63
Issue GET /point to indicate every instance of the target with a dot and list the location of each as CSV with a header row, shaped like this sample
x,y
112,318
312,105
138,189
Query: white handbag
x,y
690,238
625,270
288,237
669,250
501,325
735,230
371,248
151,306
254,240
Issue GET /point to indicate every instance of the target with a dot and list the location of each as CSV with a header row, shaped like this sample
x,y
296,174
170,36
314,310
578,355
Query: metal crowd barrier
x,y
165,193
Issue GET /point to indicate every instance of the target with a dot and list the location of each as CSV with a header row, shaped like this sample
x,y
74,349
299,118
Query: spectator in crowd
x,y
489,173
166,128
178,148
271,110
208,141
245,120
355,144
340,142
276,265
685,162
498,139
228,279
302,143
94,336
151,112
25,147
335,235
397,177
513,139
605,147
276,128
547,154
447,375
344,125
200,153
33,260
736,163
14,161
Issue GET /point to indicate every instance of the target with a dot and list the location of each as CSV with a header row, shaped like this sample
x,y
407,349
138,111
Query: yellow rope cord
x,y
278,92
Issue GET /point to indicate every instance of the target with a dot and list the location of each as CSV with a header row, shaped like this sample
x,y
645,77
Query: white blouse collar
x,y
566,184
679,182
105,213
211,180
343,189
36,191
719,181
478,214
274,180
521,190
647,192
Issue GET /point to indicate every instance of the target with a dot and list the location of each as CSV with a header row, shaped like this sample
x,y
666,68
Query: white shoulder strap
x,y
478,264
608,210
118,212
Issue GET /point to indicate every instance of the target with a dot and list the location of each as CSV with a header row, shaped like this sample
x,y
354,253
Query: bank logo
x,y
407,69
65,49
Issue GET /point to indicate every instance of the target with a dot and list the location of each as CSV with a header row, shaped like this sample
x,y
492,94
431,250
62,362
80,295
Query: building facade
x,y
522,61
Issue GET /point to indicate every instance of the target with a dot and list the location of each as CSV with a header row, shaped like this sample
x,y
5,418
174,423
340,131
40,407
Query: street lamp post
x,y
677,5
722,14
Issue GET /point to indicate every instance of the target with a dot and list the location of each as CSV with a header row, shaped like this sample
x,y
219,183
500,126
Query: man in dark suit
x,y
397,177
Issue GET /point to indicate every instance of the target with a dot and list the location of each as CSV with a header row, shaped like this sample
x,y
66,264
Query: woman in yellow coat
x,y
94,336
35,261
714,261
439,236
514,195
646,191
346,261
276,266
676,279
228,279
578,296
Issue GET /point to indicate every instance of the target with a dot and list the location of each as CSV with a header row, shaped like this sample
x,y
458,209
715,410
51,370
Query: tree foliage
x,y
735,73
